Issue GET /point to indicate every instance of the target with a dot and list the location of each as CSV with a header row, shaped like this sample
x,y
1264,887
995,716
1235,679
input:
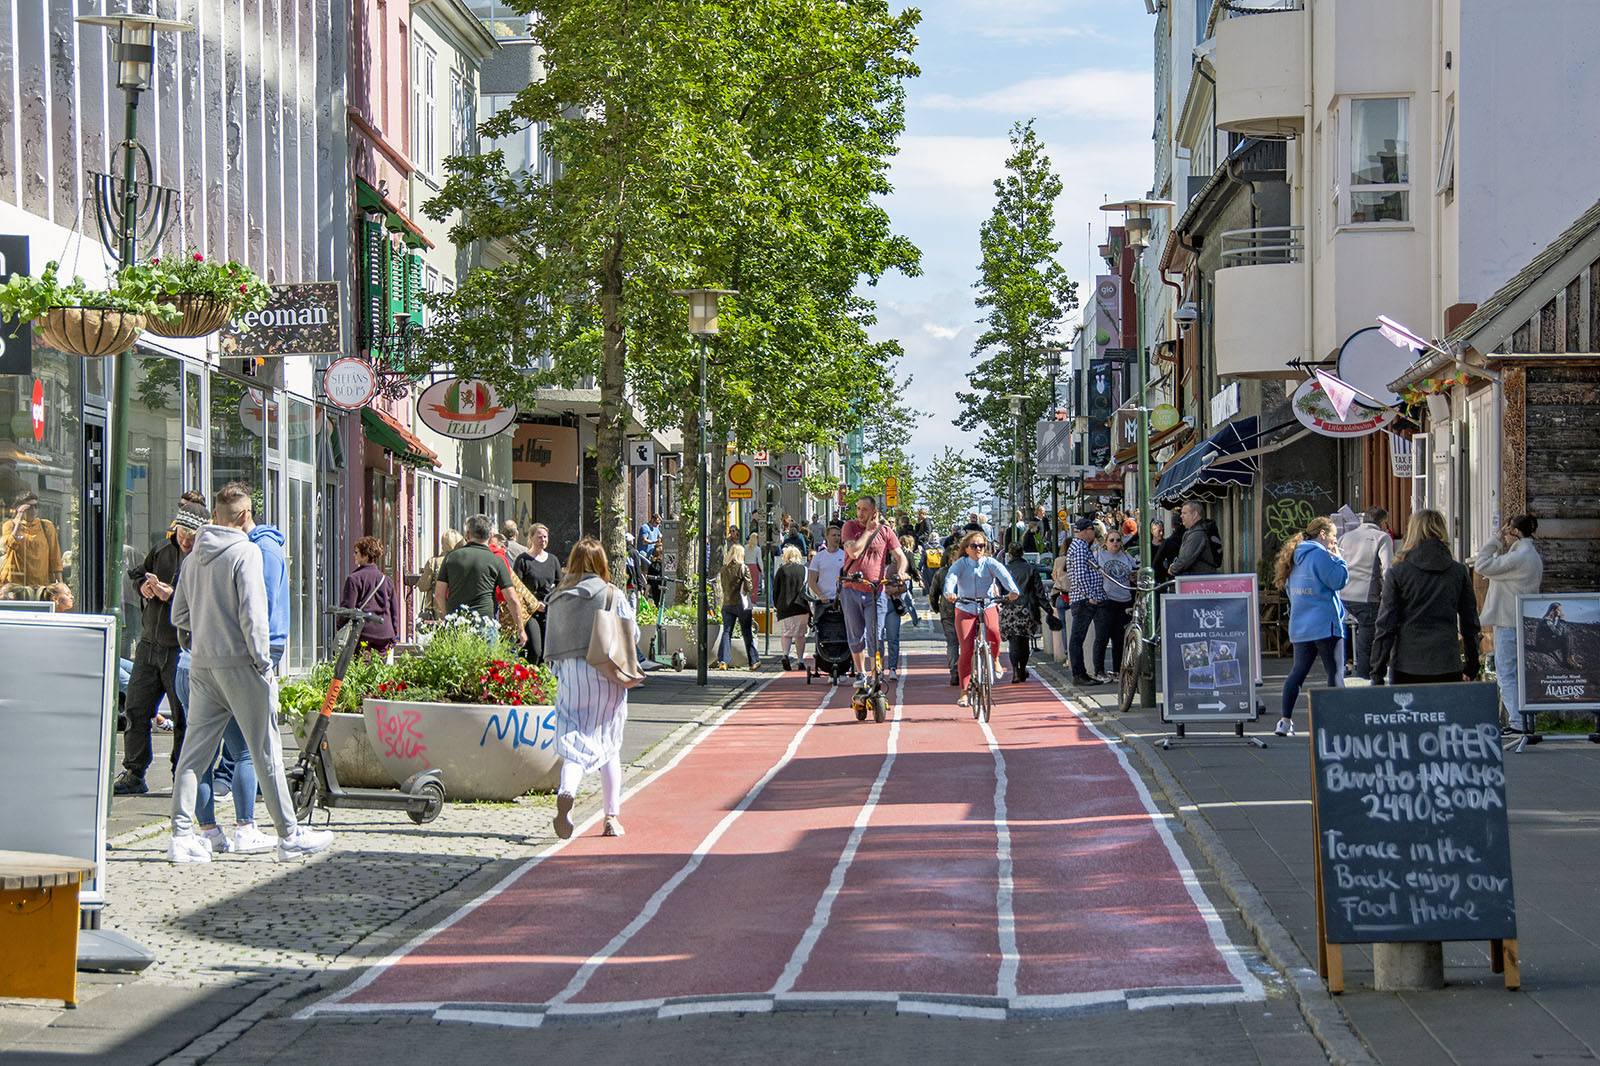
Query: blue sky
x,y
1082,69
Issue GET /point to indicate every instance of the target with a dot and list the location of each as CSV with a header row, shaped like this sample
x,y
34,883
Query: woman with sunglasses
x,y
1117,567
971,577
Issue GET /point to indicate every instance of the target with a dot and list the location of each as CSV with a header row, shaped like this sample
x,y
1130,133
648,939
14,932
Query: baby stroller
x,y
832,656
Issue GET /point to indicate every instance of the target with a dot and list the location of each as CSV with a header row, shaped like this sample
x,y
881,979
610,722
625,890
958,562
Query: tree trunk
x,y
611,434
689,505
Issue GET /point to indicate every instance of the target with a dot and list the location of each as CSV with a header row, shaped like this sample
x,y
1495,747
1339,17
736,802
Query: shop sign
x,y
1315,411
350,383
794,472
1163,417
36,410
641,453
16,336
1225,404
465,410
299,320
544,453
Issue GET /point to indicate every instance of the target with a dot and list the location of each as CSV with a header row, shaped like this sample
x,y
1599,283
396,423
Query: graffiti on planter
x,y
516,727
399,735
1285,517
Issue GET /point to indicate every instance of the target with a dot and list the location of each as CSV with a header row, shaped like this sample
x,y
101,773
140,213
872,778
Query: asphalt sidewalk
x,y
1250,810
237,938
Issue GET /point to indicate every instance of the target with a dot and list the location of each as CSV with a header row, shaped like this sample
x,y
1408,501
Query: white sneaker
x,y
187,847
303,842
1285,727
218,840
248,840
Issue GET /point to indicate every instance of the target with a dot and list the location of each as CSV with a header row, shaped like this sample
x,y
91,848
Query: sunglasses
x,y
980,547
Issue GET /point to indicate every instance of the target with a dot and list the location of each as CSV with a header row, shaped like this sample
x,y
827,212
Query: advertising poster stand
x,y
1558,660
1207,653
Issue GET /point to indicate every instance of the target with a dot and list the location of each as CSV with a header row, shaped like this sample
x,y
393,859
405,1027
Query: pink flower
x,y
244,288
198,257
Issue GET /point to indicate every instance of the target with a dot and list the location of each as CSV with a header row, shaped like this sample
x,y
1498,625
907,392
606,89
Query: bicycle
x,y
1131,671
871,697
980,686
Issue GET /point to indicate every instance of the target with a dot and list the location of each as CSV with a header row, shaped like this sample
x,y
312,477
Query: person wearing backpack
x,y
1201,552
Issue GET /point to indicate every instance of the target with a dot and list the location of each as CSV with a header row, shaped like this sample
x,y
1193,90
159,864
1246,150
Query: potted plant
x,y
78,319
206,292
462,704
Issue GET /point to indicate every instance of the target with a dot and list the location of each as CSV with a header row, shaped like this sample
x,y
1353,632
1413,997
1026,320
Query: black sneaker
x,y
129,783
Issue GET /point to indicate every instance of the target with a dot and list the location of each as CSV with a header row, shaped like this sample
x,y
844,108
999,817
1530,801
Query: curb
x,y
1327,1022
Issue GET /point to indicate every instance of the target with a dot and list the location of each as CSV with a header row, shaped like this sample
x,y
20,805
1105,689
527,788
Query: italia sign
x,y
465,410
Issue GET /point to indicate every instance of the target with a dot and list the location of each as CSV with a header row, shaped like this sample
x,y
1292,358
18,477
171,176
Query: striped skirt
x,y
590,714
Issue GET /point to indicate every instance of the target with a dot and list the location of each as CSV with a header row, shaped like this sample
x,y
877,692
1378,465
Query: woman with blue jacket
x,y
1311,573
973,576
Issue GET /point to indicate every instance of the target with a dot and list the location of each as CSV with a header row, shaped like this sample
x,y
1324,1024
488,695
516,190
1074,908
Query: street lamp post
x,y
1014,406
1137,222
1052,359
703,324
120,226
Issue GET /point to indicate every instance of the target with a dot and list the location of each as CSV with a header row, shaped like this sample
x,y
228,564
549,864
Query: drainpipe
x,y
1307,126
1177,349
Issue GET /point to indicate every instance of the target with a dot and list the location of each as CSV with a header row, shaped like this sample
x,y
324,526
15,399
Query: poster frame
x,y
1182,580
1526,600
1170,605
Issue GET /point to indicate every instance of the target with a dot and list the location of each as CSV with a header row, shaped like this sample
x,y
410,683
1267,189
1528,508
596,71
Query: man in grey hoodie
x,y
220,612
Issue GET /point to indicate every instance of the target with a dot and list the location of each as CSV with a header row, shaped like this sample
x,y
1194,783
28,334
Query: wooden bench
x,y
39,925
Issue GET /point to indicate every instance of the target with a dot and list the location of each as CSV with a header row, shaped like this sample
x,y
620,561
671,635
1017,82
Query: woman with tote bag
x,y
591,707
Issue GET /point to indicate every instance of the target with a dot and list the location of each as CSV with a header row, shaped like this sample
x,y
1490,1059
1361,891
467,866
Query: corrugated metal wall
x,y
245,119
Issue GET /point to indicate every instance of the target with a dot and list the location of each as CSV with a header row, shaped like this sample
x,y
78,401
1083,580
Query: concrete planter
x,y
682,638
483,752
353,758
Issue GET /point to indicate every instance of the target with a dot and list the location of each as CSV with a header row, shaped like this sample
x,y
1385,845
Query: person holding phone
x,y
30,549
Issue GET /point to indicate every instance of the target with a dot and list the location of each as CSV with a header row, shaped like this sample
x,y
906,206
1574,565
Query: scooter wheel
x,y
860,706
678,661
434,793
302,791
880,708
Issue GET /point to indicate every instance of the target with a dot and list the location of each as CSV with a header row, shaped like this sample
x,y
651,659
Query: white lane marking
x,y
720,1006
824,909
334,1003
1005,887
1249,984
507,1019
653,906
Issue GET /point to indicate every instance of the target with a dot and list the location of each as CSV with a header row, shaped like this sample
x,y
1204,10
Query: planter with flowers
x,y
461,704
206,292
80,320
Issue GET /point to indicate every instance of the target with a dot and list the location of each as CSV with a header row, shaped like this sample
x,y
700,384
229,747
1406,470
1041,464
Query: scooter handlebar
x,y
352,613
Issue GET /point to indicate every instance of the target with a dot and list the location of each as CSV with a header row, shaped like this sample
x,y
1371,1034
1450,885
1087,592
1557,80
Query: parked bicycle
x,y
1135,664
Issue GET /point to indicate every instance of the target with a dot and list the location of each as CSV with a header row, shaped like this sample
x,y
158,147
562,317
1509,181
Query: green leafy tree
x,y
721,143
1027,295
946,489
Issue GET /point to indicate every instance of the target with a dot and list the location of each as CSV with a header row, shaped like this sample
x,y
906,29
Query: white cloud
x,y
949,163
1114,95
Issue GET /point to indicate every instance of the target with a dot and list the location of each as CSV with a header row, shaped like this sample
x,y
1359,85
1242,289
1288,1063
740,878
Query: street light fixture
x,y
135,59
1137,222
1052,360
703,324
1014,406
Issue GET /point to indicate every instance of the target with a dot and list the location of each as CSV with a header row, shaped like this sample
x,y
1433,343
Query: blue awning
x,y
1205,471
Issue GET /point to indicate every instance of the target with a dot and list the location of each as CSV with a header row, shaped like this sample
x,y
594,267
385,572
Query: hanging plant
x,y
207,292
81,320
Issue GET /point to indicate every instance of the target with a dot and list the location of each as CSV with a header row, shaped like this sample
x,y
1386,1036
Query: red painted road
x,y
794,854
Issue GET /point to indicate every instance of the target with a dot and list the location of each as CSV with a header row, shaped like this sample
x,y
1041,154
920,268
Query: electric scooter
x,y
313,781
871,698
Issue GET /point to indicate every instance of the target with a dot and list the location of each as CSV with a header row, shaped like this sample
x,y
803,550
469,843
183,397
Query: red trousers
x,y
966,634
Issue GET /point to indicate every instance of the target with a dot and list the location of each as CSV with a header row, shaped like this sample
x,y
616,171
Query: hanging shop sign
x,y
16,336
350,383
1315,411
794,472
300,320
548,453
465,410
1163,416
641,453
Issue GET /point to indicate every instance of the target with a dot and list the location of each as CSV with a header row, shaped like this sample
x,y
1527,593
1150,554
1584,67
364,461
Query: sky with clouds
x,y
1082,69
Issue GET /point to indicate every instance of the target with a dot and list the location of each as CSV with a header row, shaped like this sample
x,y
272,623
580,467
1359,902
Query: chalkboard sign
x,y
1207,648
1410,814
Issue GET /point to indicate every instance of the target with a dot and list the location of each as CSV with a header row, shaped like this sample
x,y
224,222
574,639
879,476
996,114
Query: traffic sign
x,y
641,453
794,472
891,492
739,475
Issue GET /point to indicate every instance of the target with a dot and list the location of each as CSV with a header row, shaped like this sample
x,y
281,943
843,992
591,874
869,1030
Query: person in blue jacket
x,y
1311,573
972,576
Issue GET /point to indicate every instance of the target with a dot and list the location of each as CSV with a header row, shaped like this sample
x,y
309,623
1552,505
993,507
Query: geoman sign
x,y
301,320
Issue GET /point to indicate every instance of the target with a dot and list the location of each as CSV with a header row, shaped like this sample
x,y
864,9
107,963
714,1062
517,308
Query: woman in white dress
x,y
591,711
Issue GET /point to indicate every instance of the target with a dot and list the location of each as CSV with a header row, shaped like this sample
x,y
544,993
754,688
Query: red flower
x,y
198,257
244,288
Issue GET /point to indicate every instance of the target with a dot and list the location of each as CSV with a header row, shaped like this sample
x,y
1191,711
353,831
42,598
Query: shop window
x,y
42,472
237,442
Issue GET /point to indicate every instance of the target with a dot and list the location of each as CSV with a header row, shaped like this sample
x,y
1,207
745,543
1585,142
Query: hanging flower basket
x,y
202,315
89,331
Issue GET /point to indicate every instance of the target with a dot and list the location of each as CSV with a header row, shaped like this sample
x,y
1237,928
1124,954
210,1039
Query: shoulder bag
x,y
613,656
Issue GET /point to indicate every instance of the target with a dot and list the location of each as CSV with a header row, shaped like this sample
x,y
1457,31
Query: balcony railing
x,y
1262,245
1235,8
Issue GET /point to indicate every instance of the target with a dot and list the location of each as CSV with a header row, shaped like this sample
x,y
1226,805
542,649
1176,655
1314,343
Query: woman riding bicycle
x,y
972,577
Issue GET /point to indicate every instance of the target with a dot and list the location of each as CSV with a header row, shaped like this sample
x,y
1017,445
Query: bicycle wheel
x,y
988,690
1128,676
982,678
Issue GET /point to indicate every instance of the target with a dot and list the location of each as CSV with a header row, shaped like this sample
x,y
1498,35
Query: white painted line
x,y
1248,982
1187,999
717,1006
329,1004
911,1005
1005,886
653,906
508,1019
1070,1001
824,909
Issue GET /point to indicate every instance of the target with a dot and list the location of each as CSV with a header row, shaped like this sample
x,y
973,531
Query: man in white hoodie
x,y
1368,551
220,612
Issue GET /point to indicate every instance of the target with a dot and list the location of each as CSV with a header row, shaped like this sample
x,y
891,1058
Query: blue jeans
x,y
1505,672
859,608
891,659
1330,650
730,616
1366,617
911,608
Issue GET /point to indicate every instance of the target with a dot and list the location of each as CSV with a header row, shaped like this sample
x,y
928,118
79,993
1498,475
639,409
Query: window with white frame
x,y
424,113
1379,161
463,114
